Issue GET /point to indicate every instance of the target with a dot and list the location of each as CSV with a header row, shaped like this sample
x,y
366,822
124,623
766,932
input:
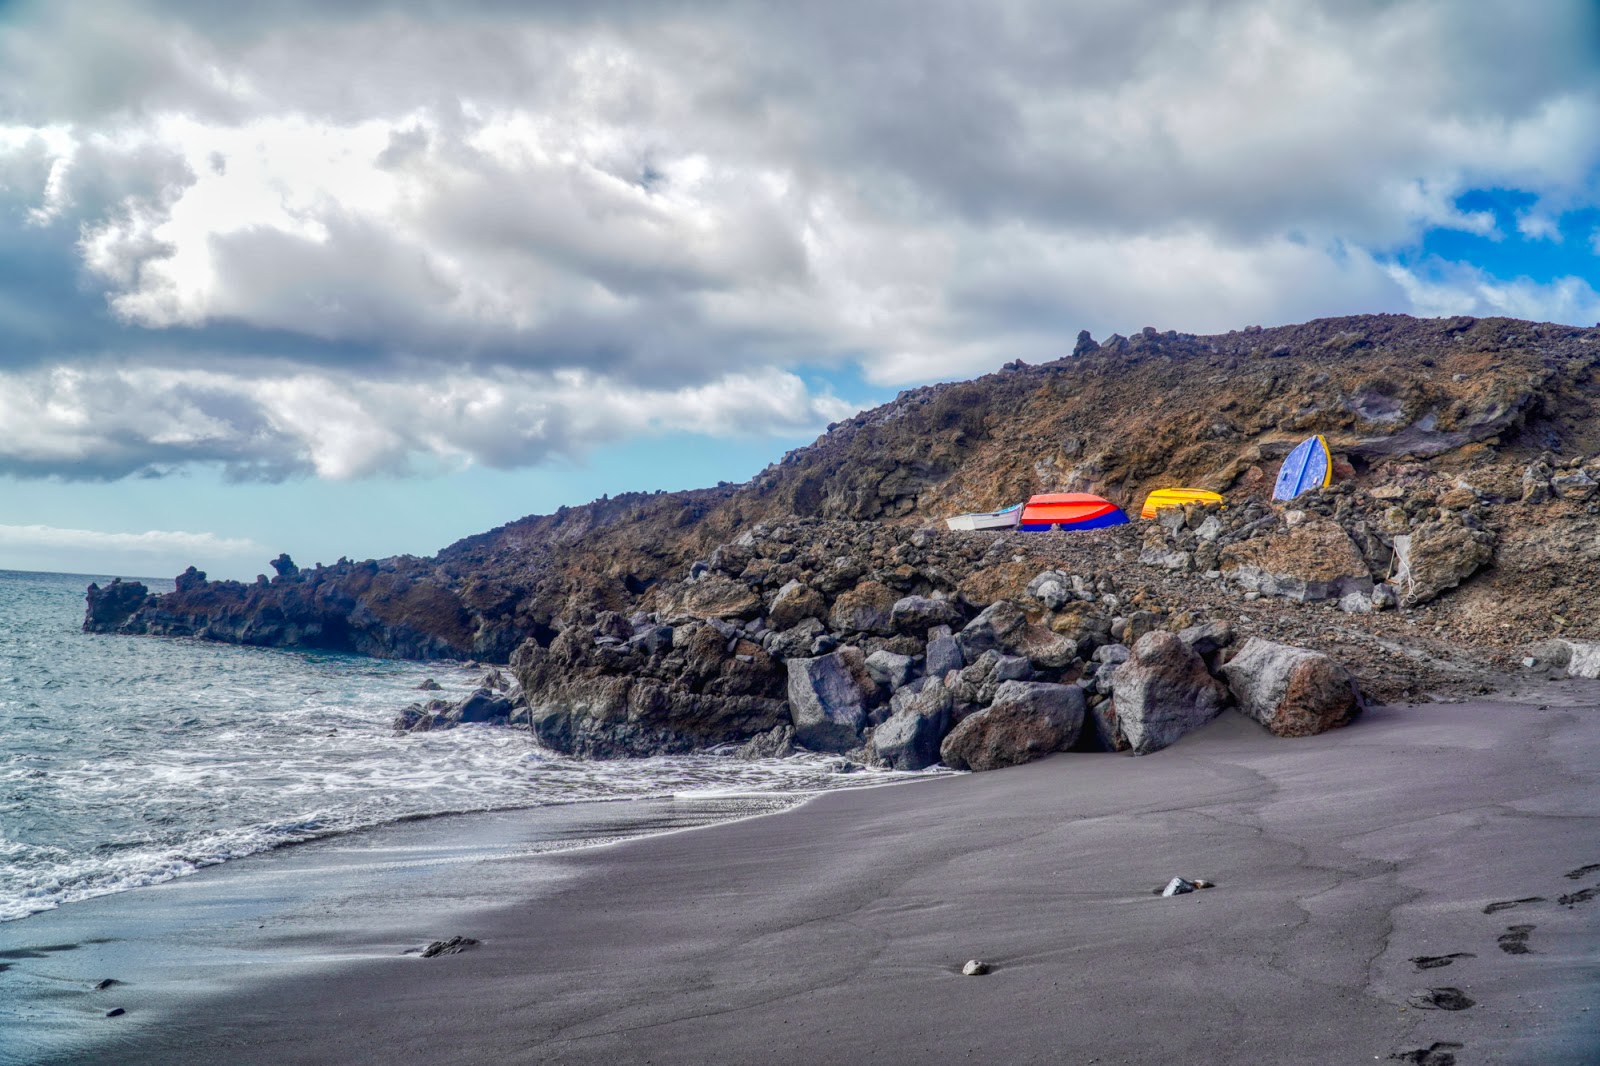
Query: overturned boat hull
x,y
1176,498
1070,511
1004,519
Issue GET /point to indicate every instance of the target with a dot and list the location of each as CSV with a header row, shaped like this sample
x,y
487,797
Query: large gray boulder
x,y
826,702
1003,627
918,614
909,740
1294,692
890,669
1027,719
1163,691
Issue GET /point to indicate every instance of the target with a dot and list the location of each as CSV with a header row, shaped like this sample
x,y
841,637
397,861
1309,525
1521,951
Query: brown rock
x,y
1294,692
1436,557
867,608
794,603
712,597
1316,560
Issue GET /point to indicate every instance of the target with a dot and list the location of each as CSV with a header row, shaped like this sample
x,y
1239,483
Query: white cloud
x,y
537,228
152,542
1457,289
107,421
1538,226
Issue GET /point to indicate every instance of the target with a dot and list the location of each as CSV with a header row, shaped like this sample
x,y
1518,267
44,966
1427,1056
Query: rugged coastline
x,y
821,601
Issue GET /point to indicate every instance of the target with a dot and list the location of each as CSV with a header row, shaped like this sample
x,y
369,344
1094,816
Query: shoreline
x,y
836,930
288,910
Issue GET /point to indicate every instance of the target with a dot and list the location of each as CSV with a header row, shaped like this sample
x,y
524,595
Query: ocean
x,y
131,761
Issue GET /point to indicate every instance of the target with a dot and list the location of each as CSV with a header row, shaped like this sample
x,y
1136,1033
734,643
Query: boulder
x,y
863,609
826,703
1003,627
909,740
712,597
1027,719
1164,691
1208,638
776,743
1582,659
1315,560
1114,654
891,670
1102,718
1437,556
1294,692
1573,485
918,614
796,641
1051,588
944,655
482,705
794,602
1356,603
653,639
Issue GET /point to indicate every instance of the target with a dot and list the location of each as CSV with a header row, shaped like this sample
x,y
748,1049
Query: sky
x,y
363,278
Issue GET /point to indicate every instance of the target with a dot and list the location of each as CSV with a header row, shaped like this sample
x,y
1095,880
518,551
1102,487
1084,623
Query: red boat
x,y
1069,510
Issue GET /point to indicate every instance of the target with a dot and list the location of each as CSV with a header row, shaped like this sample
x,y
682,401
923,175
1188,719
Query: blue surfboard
x,y
1309,466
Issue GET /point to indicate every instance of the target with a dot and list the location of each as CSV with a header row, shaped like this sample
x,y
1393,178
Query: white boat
x,y
1006,519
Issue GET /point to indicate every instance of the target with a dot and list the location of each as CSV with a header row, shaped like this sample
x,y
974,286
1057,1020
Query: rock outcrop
x,y
1294,692
1026,720
827,701
1163,691
665,622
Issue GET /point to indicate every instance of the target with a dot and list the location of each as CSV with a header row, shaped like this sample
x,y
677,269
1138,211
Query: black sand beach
x,y
1367,879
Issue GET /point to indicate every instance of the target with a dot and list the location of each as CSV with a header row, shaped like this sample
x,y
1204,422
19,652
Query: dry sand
x,y
835,932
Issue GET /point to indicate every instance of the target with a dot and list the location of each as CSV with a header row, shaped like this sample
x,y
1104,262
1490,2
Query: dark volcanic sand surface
x,y
835,932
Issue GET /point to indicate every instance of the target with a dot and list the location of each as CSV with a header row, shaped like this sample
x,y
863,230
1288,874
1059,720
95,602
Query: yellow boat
x,y
1175,498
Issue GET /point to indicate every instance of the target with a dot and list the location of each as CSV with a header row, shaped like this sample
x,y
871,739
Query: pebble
x,y
115,1012
974,968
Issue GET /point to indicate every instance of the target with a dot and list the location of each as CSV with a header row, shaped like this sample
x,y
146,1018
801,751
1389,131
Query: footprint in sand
x,y
1507,904
1433,962
1583,895
1439,1054
1514,941
1441,999
1583,871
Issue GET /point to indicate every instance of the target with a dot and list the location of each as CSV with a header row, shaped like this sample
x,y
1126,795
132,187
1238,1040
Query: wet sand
x,y
1366,880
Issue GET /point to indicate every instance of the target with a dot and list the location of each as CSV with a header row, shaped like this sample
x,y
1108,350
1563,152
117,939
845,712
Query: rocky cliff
x,y
1461,524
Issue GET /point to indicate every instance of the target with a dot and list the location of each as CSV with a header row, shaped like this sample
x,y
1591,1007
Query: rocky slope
x,y
1468,467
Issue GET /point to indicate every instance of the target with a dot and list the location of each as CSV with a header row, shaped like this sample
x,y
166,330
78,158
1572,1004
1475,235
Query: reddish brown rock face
x,y
1319,696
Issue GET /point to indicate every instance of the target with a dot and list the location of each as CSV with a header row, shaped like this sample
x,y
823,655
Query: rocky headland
x,y
823,603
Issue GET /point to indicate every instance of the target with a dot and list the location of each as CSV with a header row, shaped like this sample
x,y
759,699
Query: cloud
x,y
108,422
152,542
260,239
1440,288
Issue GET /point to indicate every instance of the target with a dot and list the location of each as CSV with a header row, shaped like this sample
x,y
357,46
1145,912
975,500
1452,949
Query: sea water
x,y
129,761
